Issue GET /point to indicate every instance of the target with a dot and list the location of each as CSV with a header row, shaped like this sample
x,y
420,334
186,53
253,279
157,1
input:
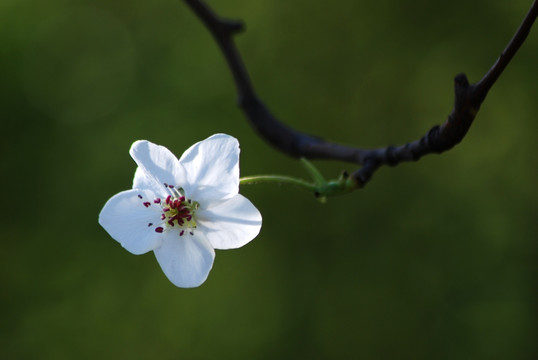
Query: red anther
x,y
182,198
163,217
147,204
182,232
171,186
166,209
177,203
168,199
189,218
157,201
139,196
159,229
171,222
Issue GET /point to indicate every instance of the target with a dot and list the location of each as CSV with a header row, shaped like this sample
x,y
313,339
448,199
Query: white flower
x,y
183,209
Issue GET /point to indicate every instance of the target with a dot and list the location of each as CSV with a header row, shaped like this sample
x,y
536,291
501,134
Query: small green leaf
x,y
319,180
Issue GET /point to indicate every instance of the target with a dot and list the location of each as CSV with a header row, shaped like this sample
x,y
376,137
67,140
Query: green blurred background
x,y
432,260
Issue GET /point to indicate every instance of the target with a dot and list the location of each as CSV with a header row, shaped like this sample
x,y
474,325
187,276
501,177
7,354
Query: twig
x,y
468,98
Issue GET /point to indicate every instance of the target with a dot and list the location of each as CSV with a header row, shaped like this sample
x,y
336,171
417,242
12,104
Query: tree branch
x,y
468,98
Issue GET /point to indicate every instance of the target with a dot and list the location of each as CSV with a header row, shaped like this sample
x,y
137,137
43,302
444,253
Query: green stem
x,y
321,188
278,179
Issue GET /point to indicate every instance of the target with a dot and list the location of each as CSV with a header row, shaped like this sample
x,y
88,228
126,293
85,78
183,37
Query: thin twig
x,y
468,98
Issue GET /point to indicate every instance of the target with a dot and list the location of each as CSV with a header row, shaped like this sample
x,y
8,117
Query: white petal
x,y
126,219
158,166
142,180
230,224
185,260
212,168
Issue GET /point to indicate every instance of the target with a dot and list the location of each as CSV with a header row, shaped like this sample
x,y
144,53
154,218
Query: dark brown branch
x,y
468,98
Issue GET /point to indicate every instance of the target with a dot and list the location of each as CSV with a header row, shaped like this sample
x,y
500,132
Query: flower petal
x,y
187,260
231,223
126,219
158,164
212,168
142,180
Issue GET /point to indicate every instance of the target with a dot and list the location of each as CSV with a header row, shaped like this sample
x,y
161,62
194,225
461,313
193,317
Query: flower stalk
x,y
320,187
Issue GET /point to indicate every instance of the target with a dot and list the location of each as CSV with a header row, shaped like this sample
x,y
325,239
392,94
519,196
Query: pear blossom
x,y
183,209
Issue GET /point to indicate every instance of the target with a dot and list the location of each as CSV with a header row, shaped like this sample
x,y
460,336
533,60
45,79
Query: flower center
x,y
177,212
180,211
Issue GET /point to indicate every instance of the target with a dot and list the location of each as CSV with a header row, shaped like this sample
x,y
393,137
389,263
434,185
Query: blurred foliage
x,y
432,260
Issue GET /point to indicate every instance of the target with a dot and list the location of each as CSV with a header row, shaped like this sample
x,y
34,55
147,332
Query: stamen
x,y
176,209
147,204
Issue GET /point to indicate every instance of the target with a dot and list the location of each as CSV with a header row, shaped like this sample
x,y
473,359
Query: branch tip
x,y
234,26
